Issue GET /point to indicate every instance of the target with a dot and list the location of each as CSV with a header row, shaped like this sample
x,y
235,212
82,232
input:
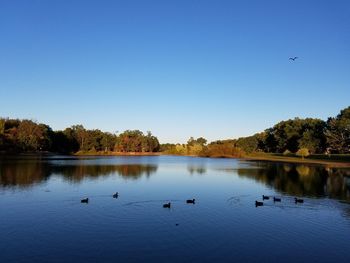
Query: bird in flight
x,y
293,58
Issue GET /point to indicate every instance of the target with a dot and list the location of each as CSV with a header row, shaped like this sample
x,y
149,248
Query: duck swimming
x,y
190,201
275,199
85,200
257,203
297,200
265,197
167,205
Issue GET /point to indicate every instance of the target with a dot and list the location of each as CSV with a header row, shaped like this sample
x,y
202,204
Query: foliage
x,y
303,152
315,135
248,144
287,152
180,149
29,136
297,133
136,141
338,132
200,141
167,147
222,149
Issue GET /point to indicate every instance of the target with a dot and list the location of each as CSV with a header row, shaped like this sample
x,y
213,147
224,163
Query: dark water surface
x,y
42,219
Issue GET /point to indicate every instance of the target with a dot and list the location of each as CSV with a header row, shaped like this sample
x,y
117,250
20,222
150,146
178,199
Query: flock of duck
x,y
86,200
275,199
188,201
193,201
166,205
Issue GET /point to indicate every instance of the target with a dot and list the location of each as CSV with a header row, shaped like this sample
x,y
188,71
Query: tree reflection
x,y
23,173
306,180
127,171
26,173
196,169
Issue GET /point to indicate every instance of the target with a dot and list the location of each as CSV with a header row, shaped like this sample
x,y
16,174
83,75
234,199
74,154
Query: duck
x,y
85,200
116,195
297,200
167,205
265,197
275,199
189,201
257,203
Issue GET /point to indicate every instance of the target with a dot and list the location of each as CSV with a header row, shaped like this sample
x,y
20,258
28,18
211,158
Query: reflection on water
x,y
43,220
302,180
291,179
25,173
196,169
77,173
22,174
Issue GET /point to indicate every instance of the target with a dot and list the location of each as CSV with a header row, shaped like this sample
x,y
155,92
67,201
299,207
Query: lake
x,y
43,220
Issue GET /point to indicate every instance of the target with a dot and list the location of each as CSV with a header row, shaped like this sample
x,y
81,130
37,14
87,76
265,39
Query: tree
x,y
167,147
136,141
294,134
201,141
196,146
80,134
2,126
108,141
248,144
313,136
225,148
70,140
338,132
2,132
180,149
195,149
303,152
150,143
33,137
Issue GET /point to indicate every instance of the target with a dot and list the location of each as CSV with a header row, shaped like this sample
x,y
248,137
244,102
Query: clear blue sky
x,y
217,69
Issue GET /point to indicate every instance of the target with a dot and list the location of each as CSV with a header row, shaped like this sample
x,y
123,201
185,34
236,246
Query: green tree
x,y
313,136
81,135
150,143
338,132
108,141
248,144
294,134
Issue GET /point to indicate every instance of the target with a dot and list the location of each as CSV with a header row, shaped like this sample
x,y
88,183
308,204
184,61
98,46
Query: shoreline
x,y
265,158
117,154
328,163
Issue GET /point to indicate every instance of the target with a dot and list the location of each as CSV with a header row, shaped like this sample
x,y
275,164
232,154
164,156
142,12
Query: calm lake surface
x,y
42,219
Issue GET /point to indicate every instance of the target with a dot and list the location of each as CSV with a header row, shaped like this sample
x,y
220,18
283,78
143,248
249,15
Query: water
x,y
42,219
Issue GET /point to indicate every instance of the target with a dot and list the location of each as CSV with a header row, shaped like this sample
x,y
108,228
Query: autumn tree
x,y
32,136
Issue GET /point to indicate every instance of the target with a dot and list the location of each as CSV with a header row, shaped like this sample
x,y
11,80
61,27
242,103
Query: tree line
x,y
301,136
314,135
29,136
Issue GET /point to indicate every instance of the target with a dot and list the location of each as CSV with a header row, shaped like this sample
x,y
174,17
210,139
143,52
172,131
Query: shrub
x,y
287,153
303,152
